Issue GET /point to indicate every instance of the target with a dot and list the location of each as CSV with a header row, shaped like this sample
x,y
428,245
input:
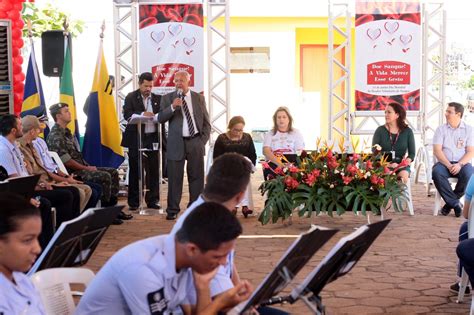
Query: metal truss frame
x,y
335,11
218,51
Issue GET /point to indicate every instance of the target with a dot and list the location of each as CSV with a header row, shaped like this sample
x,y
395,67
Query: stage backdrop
x,y
388,54
171,39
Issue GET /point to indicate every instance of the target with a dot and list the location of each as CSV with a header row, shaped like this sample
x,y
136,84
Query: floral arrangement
x,y
325,181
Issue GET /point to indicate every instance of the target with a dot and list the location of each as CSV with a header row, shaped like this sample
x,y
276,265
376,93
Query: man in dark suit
x,y
188,132
142,102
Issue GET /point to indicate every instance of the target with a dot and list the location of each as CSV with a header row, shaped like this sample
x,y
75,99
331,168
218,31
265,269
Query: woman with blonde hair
x,y
282,139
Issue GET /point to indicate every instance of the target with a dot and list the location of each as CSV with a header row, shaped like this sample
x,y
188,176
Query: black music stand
x,y
295,258
75,240
338,262
23,186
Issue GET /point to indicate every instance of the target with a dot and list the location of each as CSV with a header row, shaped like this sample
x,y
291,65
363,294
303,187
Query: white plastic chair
x,y
54,288
410,199
423,160
58,162
464,277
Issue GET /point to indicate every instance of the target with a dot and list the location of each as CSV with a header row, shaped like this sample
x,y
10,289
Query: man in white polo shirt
x,y
453,146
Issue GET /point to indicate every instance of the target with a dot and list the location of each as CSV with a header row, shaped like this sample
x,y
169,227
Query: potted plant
x,y
325,181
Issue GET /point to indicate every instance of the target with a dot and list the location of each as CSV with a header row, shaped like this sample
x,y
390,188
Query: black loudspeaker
x,y
53,53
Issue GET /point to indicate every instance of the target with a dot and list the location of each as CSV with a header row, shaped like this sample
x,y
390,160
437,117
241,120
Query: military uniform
x,y
66,145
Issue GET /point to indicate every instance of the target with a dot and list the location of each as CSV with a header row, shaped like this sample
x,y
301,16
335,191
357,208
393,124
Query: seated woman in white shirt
x,y
20,226
282,139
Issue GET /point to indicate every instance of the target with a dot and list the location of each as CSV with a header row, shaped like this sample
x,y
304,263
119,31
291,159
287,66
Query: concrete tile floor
x,y
408,270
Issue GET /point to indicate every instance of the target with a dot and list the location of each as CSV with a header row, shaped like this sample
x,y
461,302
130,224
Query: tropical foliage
x,y
325,181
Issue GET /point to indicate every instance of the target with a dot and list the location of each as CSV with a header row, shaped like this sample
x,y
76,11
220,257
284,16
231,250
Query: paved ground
x,y
408,269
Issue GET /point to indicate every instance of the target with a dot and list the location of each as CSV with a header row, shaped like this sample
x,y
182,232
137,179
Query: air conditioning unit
x,y
6,70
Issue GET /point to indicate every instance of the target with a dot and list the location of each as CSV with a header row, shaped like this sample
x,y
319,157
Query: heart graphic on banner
x,y
391,27
374,34
157,37
189,41
406,39
175,29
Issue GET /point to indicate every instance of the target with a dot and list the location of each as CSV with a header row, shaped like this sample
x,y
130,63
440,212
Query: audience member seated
x,y
155,275
238,141
20,225
282,139
396,138
51,167
31,130
12,160
453,147
61,141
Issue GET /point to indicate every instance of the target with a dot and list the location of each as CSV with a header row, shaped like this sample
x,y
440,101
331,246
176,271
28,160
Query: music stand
x,y
139,120
75,240
24,185
338,262
297,255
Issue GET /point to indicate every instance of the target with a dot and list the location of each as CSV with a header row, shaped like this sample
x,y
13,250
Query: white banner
x,y
171,39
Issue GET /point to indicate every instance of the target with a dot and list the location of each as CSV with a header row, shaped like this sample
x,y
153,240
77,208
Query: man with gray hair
x,y
188,132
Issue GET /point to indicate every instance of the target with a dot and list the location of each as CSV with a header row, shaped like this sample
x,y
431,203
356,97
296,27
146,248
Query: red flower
x,y
369,165
386,170
332,163
316,172
293,169
374,179
355,157
347,179
291,183
351,168
381,182
279,171
310,179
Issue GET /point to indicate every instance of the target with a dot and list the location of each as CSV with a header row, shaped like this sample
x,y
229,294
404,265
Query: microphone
x,y
180,93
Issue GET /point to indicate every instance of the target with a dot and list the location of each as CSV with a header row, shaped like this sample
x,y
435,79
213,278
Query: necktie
x,y
189,120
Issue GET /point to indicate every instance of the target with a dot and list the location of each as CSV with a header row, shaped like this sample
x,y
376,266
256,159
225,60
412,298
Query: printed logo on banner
x,y
163,75
388,72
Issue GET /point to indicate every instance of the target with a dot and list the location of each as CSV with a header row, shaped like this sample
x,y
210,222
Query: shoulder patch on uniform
x,y
157,302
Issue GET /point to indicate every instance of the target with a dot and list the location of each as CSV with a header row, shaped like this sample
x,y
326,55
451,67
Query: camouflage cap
x,y
30,122
55,108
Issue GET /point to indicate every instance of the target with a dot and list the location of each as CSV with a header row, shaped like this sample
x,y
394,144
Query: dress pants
x,y
150,164
194,158
47,229
441,174
62,200
465,252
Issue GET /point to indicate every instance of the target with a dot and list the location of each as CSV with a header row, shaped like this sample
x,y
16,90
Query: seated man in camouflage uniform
x,y
61,141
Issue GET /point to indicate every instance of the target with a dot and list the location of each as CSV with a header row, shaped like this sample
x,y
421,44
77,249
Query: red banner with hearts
x,y
171,39
388,54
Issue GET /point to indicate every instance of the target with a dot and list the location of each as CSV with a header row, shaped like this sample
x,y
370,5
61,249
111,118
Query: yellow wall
x,y
308,30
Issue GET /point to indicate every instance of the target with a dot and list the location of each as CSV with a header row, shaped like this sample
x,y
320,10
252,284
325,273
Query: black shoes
x,y
171,216
117,221
455,288
445,210
457,211
132,208
154,206
123,216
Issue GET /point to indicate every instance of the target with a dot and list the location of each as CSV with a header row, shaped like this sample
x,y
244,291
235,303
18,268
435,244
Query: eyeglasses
x,y
237,130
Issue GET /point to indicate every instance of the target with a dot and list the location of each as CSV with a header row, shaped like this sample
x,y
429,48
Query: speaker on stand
x,y
52,45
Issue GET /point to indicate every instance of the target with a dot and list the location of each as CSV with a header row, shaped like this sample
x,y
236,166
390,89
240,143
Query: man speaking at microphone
x,y
188,132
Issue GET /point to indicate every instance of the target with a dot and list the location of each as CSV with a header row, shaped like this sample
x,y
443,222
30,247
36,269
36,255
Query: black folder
x,y
24,186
